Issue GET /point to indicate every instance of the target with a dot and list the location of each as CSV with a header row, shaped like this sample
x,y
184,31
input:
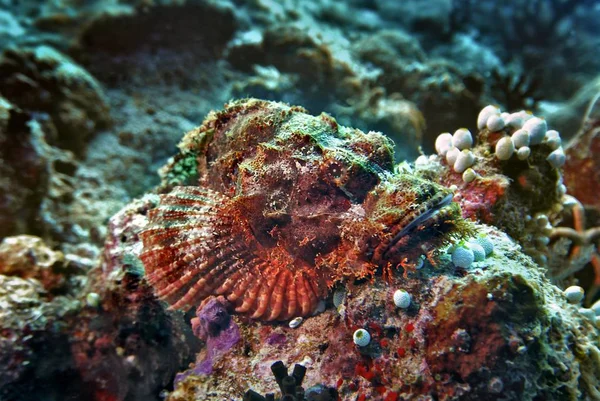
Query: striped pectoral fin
x,y
197,245
278,296
290,305
304,299
250,296
265,298
269,290
190,245
254,299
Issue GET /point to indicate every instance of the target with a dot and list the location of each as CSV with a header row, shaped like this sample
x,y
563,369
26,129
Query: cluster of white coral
x,y
522,130
525,130
456,149
464,254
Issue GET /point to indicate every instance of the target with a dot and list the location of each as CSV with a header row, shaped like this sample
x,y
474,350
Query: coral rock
x,y
36,300
43,80
27,257
24,171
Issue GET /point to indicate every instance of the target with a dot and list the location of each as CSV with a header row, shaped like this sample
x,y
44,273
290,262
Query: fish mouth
x,y
407,234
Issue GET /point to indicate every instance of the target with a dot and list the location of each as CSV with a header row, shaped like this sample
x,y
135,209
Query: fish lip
x,y
431,212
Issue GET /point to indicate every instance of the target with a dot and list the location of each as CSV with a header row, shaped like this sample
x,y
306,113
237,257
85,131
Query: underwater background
x,y
299,200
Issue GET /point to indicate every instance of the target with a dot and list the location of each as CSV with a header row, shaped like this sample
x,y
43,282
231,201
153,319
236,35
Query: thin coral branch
x,y
589,110
581,238
593,234
569,233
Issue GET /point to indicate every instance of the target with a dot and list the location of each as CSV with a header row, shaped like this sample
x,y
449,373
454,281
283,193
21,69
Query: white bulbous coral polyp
x,y
361,337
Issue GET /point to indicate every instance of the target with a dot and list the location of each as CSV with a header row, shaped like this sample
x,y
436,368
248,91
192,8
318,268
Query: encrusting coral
x,y
285,205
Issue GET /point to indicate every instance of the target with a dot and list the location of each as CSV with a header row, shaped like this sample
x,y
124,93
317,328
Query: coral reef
x,y
577,240
438,90
582,169
23,188
123,344
94,97
38,288
410,352
45,190
509,178
27,257
542,35
310,63
66,333
505,178
573,248
37,178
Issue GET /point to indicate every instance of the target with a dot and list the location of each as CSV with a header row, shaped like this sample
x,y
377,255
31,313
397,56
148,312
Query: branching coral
x,y
580,237
516,91
575,245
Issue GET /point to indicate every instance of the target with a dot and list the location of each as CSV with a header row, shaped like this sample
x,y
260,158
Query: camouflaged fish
x,y
280,206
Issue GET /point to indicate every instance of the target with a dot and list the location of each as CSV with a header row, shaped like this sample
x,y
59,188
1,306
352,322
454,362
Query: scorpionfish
x,y
269,206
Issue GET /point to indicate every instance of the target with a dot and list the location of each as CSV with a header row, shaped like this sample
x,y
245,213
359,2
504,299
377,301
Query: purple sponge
x,y
214,325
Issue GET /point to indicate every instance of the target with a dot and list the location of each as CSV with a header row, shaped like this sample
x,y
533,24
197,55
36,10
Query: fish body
x,y
283,206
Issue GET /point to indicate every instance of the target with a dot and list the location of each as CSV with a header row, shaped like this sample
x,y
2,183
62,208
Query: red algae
x,y
391,396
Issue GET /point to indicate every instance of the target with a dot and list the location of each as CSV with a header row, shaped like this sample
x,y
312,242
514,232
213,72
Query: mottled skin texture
x,y
285,205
